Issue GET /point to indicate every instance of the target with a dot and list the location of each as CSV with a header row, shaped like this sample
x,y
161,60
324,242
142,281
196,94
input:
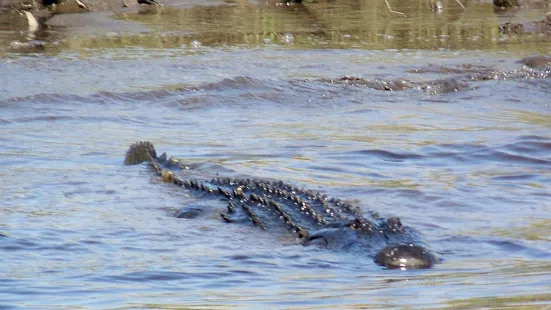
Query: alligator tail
x,y
140,152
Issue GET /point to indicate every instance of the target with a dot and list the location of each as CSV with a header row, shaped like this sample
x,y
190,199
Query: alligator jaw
x,y
405,256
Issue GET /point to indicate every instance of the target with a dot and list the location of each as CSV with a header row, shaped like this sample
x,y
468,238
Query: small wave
x,y
461,69
531,151
94,98
536,61
46,97
45,118
390,156
461,246
442,86
485,73
238,82
10,243
378,84
434,87
139,96
518,247
528,150
245,88
515,177
154,276
503,156
530,146
140,276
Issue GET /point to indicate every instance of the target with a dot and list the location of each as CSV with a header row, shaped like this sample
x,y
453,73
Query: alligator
x,y
314,218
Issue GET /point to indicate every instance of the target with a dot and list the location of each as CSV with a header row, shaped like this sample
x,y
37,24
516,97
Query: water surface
x,y
464,160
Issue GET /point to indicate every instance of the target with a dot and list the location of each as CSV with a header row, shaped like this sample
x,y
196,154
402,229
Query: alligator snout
x,y
405,256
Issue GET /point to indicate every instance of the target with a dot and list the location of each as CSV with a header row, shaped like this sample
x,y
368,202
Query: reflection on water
x,y
328,24
365,24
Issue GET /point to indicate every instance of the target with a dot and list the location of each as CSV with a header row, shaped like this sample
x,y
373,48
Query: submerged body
x,y
312,217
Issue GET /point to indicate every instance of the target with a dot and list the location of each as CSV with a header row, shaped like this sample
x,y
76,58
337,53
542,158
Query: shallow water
x,y
466,161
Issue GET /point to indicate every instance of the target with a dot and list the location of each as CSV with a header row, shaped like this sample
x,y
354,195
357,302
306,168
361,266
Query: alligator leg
x,y
248,215
301,232
252,216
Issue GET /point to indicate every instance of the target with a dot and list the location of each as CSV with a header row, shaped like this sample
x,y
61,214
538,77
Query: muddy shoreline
x,y
28,26
33,14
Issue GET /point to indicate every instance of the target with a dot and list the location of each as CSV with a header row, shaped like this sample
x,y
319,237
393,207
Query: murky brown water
x,y
257,90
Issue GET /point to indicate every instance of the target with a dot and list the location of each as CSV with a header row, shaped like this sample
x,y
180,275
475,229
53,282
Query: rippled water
x,y
465,160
